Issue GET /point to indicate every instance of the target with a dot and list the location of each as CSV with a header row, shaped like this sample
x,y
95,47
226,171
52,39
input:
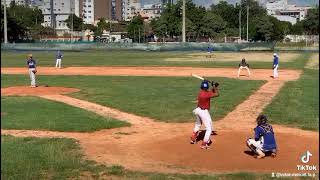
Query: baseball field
x,y
128,115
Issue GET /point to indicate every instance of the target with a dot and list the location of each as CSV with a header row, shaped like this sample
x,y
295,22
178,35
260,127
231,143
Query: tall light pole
x,y
183,21
71,20
5,23
240,24
247,22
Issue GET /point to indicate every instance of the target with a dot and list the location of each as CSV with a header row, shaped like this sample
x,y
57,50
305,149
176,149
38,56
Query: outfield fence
x,y
84,46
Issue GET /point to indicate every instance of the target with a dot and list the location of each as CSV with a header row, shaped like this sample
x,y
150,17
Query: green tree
x,y
74,22
213,25
89,26
228,12
264,29
297,29
16,30
311,23
135,28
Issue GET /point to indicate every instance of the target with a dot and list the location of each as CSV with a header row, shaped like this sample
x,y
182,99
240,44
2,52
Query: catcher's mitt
x,y
34,71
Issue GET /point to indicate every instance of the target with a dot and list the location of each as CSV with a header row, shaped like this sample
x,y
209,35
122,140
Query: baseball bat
x,y
197,76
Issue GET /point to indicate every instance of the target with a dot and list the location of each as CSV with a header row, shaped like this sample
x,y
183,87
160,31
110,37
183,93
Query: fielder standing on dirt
x,y
31,64
264,140
243,64
202,113
275,65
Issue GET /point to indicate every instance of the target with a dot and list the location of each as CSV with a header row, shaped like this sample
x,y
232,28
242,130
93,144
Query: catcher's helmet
x,y
261,119
204,85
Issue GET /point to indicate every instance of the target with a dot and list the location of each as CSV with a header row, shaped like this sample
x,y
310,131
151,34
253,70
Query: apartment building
x,y
55,17
150,11
92,10
130,9
285,12
18,2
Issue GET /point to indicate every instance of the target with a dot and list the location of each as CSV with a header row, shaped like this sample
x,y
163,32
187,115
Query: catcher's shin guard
x,y
251,147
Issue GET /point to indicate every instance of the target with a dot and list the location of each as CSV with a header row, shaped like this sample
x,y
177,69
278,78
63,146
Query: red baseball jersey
x,y
204,99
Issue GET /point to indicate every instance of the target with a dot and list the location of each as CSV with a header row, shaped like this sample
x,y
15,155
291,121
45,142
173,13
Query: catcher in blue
x,y
264,140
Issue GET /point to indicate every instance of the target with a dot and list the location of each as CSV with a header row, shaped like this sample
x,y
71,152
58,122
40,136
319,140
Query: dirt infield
x,y
153,146
256,74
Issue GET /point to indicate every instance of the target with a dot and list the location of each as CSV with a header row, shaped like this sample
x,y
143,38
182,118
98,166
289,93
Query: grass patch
x,y
169,99
133,58
297,104
42,114
44,158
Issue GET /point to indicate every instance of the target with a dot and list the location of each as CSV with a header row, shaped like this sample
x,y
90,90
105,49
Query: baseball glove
x,y
216,84
34,71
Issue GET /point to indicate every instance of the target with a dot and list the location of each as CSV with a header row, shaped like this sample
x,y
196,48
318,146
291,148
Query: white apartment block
x,y
18,2
151,11
285,12
88,11
130,9
61,10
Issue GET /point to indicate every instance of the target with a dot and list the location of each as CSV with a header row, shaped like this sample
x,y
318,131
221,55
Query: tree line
x,y
219,21
223,19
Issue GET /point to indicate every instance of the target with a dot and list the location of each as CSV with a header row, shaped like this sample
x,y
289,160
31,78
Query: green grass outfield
x,y
132,58
297,104
56,158
169,99
42,114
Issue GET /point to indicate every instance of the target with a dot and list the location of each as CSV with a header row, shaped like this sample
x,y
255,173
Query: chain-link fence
x,y
82,46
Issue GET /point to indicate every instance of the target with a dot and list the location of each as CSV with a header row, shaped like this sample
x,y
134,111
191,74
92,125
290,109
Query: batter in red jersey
x,y
202,113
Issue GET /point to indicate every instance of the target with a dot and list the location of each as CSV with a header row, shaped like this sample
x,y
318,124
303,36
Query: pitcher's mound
x,y
38,91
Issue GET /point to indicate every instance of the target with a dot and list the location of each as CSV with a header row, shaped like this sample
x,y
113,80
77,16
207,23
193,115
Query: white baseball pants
x,y
32,76
275,72
58,62
257,144
203,117
241,67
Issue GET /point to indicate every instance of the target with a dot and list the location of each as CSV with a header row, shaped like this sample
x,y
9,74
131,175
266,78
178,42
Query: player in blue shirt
x,y
209,49
264,139
31,63
275,65
59,58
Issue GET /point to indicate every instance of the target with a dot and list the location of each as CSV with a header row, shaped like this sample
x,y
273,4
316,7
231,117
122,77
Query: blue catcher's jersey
x,y
266,131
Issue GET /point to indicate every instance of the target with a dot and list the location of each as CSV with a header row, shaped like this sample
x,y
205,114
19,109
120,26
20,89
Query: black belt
x,y
202,108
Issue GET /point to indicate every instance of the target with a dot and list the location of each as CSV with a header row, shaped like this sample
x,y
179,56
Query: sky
x,y
207,3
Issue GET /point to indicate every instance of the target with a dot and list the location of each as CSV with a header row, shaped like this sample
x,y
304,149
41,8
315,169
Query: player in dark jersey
x,y
31,63
264,140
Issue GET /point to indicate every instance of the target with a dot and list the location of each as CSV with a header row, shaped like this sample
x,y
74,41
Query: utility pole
x,y
139,35
183,21
247,22
71,20
240,24
53,22
5,23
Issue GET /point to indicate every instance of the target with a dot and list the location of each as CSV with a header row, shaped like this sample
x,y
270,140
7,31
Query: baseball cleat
x,y
205,145
273,155
193,142
260,156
